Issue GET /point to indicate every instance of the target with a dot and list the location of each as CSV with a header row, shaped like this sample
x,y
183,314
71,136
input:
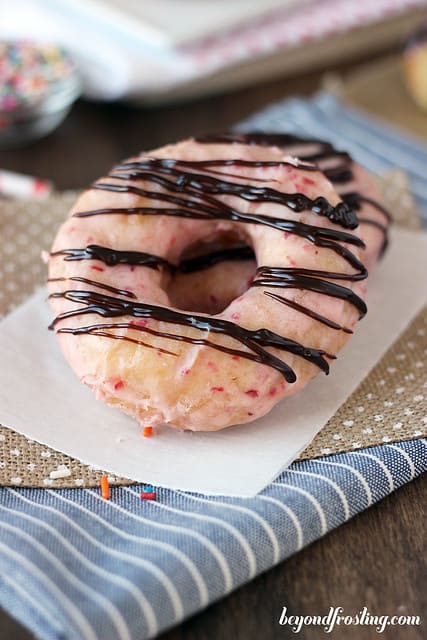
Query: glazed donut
x,y
192,208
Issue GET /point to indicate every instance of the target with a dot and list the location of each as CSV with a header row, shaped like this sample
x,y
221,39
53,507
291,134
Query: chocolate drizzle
x,y
307,312
190,190
203,186
339,174
207,260
356,200
97,284
293,278
111,257
255,341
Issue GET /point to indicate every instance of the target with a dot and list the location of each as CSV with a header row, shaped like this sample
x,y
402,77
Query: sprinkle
x,y
148,495
147,432
148,489
105,488
253,393
61,472
307,181
29,73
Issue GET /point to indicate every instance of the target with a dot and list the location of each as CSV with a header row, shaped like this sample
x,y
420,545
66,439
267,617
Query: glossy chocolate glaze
x,y
97,284
294,278
204,261
205,186
255,341
111,257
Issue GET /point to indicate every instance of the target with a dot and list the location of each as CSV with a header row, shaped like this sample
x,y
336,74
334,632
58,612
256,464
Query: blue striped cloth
x,y
76,567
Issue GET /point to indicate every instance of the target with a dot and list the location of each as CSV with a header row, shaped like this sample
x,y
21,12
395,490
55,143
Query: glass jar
x,y
38,85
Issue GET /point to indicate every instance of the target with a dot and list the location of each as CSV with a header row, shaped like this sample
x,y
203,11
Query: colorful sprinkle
x,y
253,393
105,488
29,72
147,432
148,495
148,489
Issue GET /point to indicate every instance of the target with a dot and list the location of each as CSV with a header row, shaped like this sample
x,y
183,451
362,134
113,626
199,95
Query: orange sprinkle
x,y
105,488
147,432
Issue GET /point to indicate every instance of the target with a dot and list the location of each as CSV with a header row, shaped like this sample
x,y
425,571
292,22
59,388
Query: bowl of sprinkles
x,y
38,85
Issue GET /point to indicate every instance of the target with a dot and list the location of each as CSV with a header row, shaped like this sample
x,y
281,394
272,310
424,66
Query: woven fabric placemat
x,y
384,408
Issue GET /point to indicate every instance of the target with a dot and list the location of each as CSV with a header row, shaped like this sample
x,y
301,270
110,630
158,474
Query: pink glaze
x,y
252,393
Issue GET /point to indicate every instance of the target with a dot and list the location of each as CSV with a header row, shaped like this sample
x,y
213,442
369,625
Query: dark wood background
x,y
378,559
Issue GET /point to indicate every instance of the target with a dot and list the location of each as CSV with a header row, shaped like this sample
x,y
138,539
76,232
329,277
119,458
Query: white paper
x,y
41,398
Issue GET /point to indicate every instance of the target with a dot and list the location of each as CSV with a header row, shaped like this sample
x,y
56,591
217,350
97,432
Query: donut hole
x,y
211,274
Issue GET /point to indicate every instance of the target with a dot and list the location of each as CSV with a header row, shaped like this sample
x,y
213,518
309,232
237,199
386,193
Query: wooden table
x,y
378,559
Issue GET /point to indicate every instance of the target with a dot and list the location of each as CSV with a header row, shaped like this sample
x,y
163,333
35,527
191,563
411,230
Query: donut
x,y
126,267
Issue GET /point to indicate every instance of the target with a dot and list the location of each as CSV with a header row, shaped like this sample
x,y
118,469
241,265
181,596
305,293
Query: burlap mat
x,y
384,408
